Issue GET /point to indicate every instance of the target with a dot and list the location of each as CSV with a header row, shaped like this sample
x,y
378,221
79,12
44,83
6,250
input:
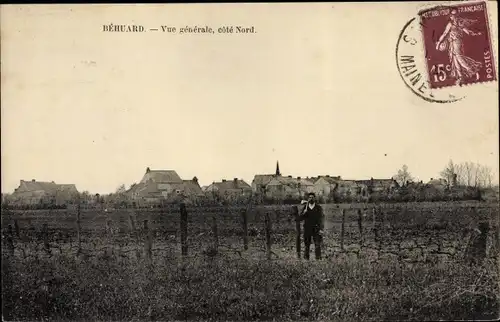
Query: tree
x,y
449,171
85,196
403,176
468,174
6,199
119,198
483,176
121,189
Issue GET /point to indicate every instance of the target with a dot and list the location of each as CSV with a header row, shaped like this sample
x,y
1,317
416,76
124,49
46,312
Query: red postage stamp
x,y
457,45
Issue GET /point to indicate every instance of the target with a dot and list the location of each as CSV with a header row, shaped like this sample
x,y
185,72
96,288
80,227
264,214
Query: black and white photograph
x,y
328,161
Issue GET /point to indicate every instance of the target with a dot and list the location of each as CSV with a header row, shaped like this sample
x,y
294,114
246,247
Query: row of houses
x,y
34,192
157,186
166,185
278,186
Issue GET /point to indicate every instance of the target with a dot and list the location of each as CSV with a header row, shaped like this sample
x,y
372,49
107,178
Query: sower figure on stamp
x,y
313,218
452,40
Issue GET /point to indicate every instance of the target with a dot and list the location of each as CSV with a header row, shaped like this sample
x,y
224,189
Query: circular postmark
x,y
412,66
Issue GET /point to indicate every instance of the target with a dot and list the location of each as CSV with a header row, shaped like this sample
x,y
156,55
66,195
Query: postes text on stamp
x,y
457,45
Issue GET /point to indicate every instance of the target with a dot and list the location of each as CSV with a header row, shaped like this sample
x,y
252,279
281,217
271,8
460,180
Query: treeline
x,y
401,195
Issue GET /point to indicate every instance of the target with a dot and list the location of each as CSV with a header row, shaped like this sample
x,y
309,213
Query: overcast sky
x,y
316,88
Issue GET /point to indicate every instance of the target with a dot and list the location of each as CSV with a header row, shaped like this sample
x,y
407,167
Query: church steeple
x,y
278,169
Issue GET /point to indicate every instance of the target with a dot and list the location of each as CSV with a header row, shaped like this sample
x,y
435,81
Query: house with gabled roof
x,y
383,185
284,187
260,181
280,187
39,192
230,186
229,190
349,188
439,184
157,186
325,185
192,188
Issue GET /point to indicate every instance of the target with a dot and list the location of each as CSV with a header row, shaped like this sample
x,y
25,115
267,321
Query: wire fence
x,y
408,232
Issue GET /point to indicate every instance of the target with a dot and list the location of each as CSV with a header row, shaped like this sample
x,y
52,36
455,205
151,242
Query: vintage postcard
x,y
254,161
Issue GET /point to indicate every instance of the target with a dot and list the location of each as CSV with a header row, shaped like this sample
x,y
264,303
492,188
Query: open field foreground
x,y
65,288
393,262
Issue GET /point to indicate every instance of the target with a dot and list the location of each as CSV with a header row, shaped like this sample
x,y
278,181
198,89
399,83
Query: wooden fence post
x,y
244,215
216,233
109,237
134,234
78,229
45,234
108,226
9,240
184,218
360,225
297,229
131,225
130,231
342,231
148,244
16,227
268,235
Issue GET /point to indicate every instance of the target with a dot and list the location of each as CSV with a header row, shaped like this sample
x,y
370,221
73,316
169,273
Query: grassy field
x,y
370,273
220,289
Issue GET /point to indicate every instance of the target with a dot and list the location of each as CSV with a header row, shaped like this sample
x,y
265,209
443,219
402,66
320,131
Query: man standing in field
x,y
313,218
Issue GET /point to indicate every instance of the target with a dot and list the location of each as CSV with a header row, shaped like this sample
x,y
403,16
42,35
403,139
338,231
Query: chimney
x,y
32,180
147,170
195,180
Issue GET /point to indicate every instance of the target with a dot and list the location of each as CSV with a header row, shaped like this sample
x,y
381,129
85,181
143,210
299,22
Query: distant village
x,y
160,187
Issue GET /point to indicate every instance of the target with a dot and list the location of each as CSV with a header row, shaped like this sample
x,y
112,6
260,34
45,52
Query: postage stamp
x,y
457,44
443,48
